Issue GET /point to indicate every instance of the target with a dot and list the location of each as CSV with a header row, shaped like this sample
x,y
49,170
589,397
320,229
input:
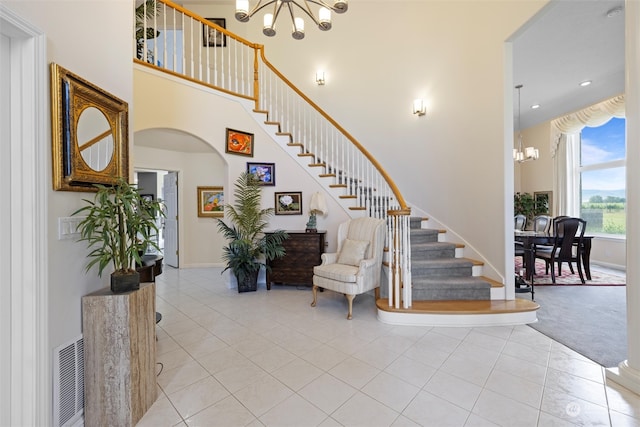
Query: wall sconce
x,y
320,78
419,107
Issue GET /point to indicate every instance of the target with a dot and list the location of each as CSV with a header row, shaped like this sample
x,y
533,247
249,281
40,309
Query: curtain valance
x,y
595,115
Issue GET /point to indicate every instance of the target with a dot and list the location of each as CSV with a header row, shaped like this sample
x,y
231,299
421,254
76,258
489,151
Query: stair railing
x,y
174,40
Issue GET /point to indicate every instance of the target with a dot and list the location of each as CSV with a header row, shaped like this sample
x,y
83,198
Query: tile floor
x,y
267,358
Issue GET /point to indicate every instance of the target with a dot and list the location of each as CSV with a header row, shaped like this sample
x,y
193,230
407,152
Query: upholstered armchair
x,y
356,267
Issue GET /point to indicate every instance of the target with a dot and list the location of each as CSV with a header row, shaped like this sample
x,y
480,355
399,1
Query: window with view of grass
x,y
602,178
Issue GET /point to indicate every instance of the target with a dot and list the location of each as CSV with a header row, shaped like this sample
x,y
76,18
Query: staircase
x,y
441,277
437,274
448,290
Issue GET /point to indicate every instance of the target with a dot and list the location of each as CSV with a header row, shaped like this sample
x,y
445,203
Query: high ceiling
x,y
568,42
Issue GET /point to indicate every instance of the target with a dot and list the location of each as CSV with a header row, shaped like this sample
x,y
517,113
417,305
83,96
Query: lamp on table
x,y
318,205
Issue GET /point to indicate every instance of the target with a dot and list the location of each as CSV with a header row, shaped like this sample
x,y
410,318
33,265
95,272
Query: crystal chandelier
x,y
521,154
323,21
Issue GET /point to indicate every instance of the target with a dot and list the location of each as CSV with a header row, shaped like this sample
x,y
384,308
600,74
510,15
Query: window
x,y
602,178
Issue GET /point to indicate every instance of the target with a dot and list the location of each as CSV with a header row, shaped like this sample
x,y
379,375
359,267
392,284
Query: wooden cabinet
x,y
303,253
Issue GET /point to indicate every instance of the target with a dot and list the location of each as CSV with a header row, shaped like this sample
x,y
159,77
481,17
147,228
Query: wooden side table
x,y
304,252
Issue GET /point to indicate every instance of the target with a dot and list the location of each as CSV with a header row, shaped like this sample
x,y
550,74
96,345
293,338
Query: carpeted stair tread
x,y
454,267
451,288
424,235
432,250
436,273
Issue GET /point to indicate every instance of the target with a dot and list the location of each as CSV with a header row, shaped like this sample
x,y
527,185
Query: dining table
x,y
530,239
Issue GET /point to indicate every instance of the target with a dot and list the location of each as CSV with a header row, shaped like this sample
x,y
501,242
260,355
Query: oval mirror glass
x,y
95,138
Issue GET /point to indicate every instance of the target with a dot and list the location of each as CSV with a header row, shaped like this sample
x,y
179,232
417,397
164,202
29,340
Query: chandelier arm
x,y
308,11
276,11
323,4
259,6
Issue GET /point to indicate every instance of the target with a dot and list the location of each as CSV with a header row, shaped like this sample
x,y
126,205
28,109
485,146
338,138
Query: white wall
x,y
76,31
86,38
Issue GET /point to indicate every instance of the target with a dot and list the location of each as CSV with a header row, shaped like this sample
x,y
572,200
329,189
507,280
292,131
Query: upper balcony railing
x,y
177,41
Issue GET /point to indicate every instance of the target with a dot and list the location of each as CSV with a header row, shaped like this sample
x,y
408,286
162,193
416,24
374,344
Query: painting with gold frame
x,y
210,202
89,133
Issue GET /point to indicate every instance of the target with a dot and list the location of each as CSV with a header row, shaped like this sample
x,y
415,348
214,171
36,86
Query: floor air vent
x,y
68,383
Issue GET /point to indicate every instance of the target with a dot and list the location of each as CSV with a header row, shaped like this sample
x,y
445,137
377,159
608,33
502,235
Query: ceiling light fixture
x,y
521,154
535,106
323,21
585,83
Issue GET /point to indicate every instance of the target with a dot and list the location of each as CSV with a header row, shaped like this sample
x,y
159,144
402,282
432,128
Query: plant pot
x,y
125,282
250,282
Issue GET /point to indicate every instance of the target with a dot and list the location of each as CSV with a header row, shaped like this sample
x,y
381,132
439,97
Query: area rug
x,y
598,277
590,320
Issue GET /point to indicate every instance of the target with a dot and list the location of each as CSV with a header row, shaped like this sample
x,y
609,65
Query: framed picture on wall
x,y
239,142
288,203
210,201
265,172
212,37
543,200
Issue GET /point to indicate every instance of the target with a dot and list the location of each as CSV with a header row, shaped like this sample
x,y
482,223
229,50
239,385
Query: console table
x,y
304,252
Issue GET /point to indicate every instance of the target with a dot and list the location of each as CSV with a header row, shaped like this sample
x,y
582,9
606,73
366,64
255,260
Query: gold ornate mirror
x,y
89,133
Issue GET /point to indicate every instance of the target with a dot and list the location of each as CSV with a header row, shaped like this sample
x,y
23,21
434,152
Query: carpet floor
x,y
588,319
599,277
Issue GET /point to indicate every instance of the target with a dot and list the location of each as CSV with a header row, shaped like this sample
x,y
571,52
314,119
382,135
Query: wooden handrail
x,y
354,141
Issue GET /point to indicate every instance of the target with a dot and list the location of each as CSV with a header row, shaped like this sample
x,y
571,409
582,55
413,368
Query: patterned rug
x,y
598,276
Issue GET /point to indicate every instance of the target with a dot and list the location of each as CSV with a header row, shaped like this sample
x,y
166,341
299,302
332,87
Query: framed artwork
x,y
239,142
265,172
210,202
543,200
212,37
288,203
90,131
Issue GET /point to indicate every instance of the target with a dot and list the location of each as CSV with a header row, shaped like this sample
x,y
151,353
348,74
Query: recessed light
x,y
535,106
585,83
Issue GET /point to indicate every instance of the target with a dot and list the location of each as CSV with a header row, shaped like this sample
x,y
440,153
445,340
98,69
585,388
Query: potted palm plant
x,y
248,246
119,225
145,12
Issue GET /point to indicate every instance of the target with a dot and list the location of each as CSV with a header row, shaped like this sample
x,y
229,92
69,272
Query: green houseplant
x,y
119,225
248,246
526,204
145,12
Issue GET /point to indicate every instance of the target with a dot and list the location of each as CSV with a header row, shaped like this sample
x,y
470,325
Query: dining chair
x,y
565,248
519,222
542,223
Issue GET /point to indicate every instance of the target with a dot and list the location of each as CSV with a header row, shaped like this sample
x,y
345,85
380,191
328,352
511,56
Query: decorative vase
x,y
250,282
125,282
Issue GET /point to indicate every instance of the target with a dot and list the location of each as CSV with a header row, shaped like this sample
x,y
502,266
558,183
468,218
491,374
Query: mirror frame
x,y
70,96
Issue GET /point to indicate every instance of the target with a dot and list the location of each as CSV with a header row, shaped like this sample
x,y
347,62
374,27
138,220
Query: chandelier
x,y
521,154
323,21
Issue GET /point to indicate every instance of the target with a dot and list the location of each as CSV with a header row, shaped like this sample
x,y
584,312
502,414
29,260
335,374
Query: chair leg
x,y
315,295
553,273
580,271
350,301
